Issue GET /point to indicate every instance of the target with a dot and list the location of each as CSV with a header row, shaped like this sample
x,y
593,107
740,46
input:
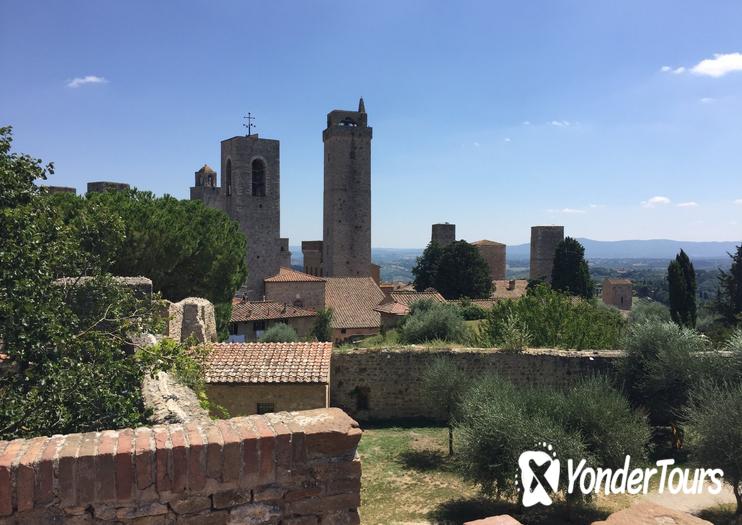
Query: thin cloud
x,y
707,100
718,66
738,202
673,70
560,123
89,79
526,122
507,139
657,200
690,204
569,211
477,144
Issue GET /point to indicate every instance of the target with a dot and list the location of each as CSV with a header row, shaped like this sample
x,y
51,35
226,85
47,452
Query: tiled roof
x,y
408,297
353,300
618,281
485,242
269,363
266,310
500,289
393,308
289,275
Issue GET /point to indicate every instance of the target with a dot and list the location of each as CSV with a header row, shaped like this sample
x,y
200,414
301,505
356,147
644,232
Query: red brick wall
x,y
293,469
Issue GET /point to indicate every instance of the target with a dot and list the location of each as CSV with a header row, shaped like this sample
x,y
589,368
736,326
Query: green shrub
x,y
472,312
557,320
515,334
648,310
443,385
279,333
322,329
499,421
429,321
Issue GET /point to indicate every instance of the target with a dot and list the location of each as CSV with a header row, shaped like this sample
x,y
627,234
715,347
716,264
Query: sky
x,y
618,120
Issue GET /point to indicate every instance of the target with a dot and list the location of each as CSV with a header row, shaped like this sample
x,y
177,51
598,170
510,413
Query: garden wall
x,y
296,468
385,383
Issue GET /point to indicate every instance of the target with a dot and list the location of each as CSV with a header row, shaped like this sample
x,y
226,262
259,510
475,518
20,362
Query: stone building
x,y
296,288
285,252
618,293
258,378
103,186
444,234
353,301
544,240
494,253
250,319
347,194
60,189
312,252
249,194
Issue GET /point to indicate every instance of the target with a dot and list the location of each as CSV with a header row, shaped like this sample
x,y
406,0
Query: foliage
x,y
322,329
681,278
556,320
714,433
471,311
429,321
515,334
499,421
187,249
443,385
729,298
426,267
279,333
462,272
649,310
571,273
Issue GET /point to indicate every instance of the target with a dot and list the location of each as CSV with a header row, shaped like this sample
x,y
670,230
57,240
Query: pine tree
x,y
462,272
681,278
729,296
426,267
571,273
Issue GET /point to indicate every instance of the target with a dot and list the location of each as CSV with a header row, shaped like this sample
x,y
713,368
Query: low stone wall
x,y
295,468
170,401
385,383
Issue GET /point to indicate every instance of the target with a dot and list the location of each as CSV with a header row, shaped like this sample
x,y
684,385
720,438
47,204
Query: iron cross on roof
x,y
249,124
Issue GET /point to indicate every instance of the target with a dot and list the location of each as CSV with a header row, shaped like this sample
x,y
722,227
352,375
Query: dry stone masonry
x,y
297,468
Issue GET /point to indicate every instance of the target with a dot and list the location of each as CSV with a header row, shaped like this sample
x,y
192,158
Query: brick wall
x,y
385,383
289,468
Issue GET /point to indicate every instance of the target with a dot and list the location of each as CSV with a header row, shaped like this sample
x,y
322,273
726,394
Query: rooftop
x,y
501,288
258,363
618,281
266,310
353,301
289,275
485,242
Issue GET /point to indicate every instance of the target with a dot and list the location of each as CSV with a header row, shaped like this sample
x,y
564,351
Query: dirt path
x,y
692,504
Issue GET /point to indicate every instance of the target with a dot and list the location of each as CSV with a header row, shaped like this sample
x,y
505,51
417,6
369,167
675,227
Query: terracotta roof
x,y
265,310
289,275
500,289
407,297
269,363
353,300
393,308
485,242
618,281
206,169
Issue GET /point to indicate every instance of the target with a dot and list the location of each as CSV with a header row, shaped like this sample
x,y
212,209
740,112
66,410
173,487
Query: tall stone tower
x,y
544,240
249,194
444,234
494,253
346,242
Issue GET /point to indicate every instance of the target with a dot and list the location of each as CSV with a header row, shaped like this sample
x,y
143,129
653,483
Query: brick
x,y
267,449
249,474
191,505
67,471
8,456
149,509
144,458
85,479
330,432
213,452
342,518
283,448
162,459
105,469
218,517
25,476
44,490
301,520
196,457
179,458
268,493
341,470
255,513
325,504
232,458
303,493
298,441
340,486
124,465
231,498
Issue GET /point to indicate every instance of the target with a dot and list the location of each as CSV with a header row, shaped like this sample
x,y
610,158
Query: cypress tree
x,y
729,296
571,273
681,278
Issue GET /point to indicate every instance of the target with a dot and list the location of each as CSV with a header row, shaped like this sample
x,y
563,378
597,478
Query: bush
x,y
279,333
714,432
515,334
472,312
648,310
429,321
443,385
556,320
322,329
499,421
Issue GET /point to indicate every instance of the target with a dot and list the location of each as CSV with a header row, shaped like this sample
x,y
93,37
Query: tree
x,y
443,385
279,333
729,295
681,278
462,272
432,321
186,248
322,329
571,273
426,267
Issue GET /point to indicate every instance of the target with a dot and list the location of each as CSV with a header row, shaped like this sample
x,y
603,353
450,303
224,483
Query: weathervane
x,y
249,124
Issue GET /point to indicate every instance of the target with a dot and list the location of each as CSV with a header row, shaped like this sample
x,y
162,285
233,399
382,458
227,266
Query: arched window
x,y
258,178
228,182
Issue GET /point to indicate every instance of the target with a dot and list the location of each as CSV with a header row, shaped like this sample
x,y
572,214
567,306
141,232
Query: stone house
x,y
251,318
618,293
509,288
296,288
258,378
353,301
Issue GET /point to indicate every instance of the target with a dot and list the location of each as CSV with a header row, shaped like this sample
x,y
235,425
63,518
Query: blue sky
x,y
620,120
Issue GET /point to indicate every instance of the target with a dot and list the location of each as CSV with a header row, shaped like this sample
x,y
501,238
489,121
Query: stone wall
x,y
290,468
170,401
385,384
193,316
240,399
308,294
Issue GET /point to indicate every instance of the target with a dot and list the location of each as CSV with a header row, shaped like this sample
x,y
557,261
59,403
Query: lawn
x,y
409,479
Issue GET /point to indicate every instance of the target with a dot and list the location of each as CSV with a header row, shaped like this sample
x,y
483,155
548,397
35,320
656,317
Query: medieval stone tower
x,y
443,233
347,198
249,194
544,240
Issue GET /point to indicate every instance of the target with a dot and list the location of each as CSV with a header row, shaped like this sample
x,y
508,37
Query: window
x,y
265,408
228,177
258,178
232,328
258,325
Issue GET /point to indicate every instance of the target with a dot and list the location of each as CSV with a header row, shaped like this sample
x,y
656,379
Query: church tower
x,y
347,196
